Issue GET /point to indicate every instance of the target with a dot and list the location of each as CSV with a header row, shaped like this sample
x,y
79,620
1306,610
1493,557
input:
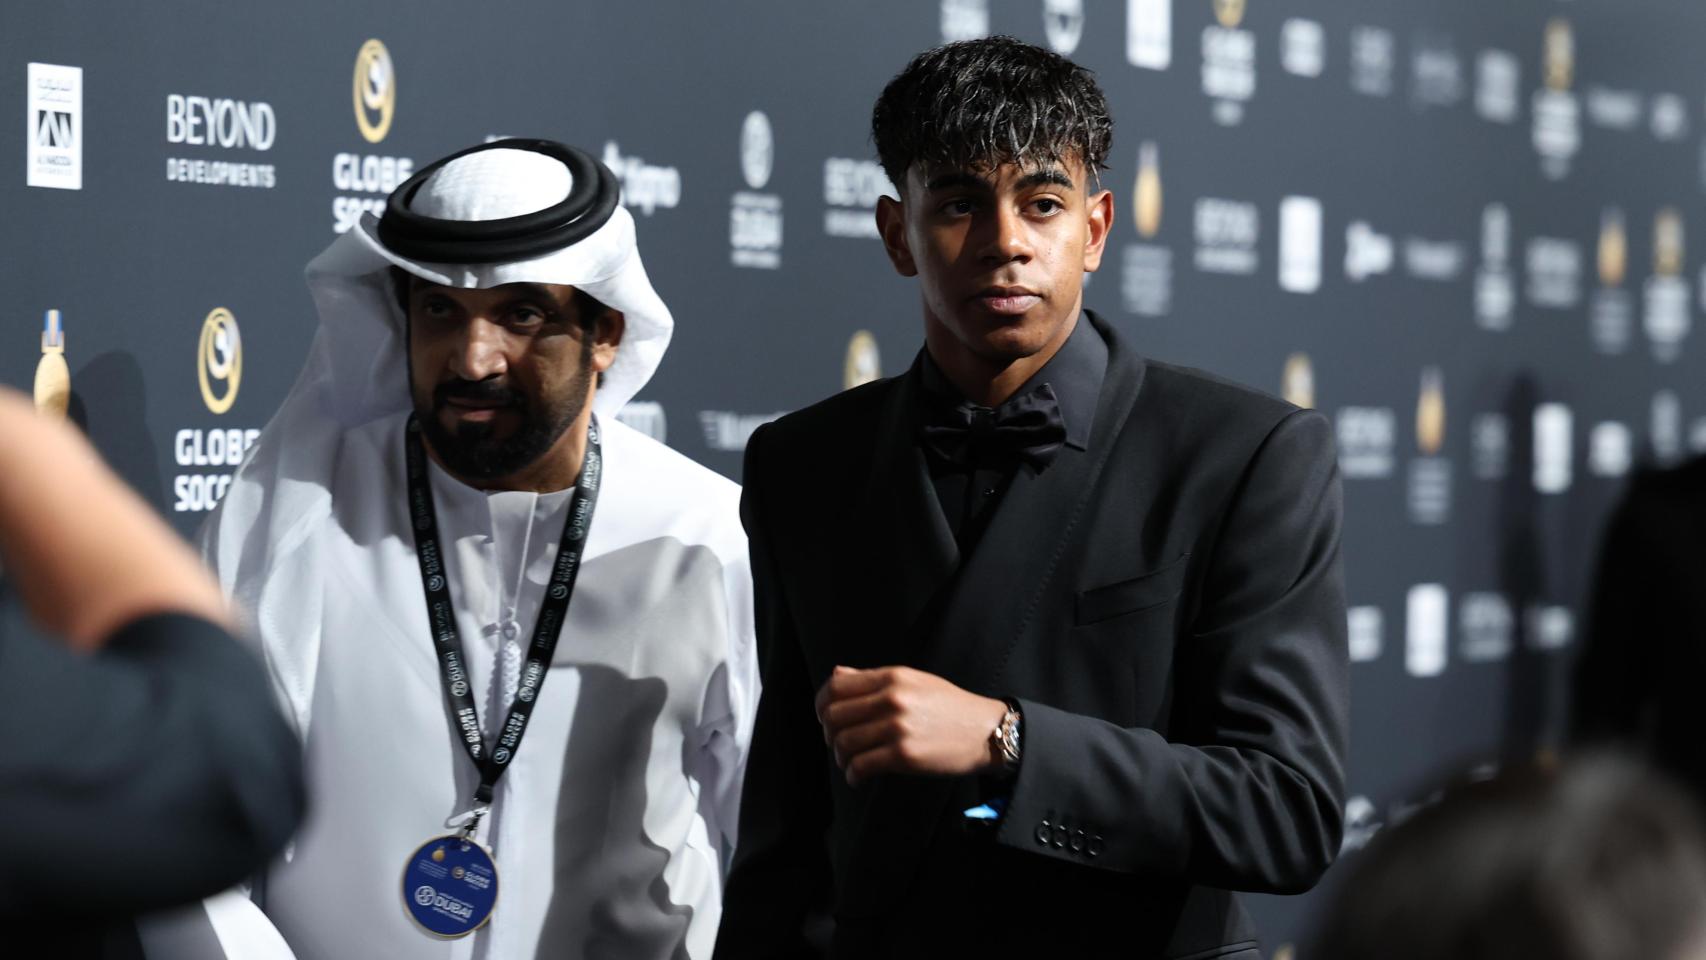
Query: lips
x,y
1008,301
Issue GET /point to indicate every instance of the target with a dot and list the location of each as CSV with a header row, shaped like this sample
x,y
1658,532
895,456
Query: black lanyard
x,y
447,642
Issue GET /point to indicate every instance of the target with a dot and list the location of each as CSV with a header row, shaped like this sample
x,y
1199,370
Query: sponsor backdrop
x,y
1460,229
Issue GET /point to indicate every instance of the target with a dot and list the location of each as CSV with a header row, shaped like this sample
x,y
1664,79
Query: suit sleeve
x,y
779,889
1248,792
150,774
1614,683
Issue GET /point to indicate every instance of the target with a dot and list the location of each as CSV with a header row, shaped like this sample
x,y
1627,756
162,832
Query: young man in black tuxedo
x,y
1052,635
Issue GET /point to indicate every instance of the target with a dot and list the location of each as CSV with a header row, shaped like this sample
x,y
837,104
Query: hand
x,y
901,720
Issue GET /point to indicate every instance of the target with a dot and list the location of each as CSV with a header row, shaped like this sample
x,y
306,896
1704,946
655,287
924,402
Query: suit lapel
x,y
990,604
905,551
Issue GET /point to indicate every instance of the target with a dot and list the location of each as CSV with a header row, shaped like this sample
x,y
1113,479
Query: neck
x,y
558,469
982,380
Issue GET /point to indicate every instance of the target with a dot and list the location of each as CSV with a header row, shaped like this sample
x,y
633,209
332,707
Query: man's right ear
x,y
891,226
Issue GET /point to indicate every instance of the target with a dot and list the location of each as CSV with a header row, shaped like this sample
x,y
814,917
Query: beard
x,y
473,451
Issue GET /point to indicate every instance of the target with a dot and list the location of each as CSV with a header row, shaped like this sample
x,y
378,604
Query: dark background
x,y
135,262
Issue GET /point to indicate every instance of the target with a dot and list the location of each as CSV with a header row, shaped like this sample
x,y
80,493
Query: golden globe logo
x,y
219,360
375,91
863,363
1146,195
53,377
1560,55
1230,13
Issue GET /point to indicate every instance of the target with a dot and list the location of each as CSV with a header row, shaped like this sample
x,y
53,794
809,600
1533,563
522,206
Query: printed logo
x,y
424,895
1670,118
1554,273
727,431
1146,195
1367,253
1487,625
644,187
863,364
375,88
501,755
1227,232
1489,439
1362,822
1557,115
1611,109
964,20
1063,25
1665,427
1438,260
1430,475
1229,62
1147,285
459,688
755,219
1436,73
1300,244
1498,80
1372,55
1552,429
225,123
1303,48
1367,438
1364,630
645,416
850,192
1550,627
1149,33
54,109
53,376
1426,630
1610,450
435,583
1666,295
559,591
1612,315
219,360
1495,290
1298,383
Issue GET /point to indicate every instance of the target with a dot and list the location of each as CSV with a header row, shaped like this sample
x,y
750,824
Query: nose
x,y
1007,237
480,354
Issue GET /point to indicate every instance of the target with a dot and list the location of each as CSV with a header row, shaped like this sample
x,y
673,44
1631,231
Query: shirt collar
x,y
1075,372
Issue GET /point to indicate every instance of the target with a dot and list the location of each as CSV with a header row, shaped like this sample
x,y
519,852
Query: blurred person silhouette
x,y
1597,859
1638,677
145,765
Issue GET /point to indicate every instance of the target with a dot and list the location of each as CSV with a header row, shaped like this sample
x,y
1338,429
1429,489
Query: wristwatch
x,y
1004,739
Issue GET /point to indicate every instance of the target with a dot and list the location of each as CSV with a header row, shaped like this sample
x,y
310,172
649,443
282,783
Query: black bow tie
x,y
1027,427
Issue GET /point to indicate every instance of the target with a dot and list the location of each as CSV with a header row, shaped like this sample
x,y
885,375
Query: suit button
x,y
1059,839
1042,833
1097,844
1078,839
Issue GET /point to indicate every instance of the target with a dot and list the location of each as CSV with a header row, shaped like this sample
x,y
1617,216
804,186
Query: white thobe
x,y
612,824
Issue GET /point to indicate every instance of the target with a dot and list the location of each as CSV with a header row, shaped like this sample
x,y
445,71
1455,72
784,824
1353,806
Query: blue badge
x,y
450,886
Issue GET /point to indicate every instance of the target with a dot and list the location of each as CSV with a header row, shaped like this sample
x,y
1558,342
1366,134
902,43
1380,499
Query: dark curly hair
x,y
977,104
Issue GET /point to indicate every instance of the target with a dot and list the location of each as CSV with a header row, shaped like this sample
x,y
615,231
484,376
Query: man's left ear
x,y
1099,217
606,338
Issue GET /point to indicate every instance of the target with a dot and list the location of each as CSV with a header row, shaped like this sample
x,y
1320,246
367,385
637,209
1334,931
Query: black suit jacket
x,y
1166,605
1639,675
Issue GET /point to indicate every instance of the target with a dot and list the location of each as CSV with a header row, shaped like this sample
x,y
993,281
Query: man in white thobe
x,y
502,305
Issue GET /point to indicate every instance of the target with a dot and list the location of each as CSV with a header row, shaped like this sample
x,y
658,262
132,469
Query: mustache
x,y
477,391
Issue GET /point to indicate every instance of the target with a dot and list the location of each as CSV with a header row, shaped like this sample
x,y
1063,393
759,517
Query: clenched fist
x,y
901,720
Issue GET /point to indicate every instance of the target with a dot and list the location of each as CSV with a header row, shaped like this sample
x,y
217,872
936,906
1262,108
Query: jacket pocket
x,y
1129,596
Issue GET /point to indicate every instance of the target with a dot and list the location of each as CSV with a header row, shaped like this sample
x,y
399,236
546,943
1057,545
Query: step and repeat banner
x,y
1460,229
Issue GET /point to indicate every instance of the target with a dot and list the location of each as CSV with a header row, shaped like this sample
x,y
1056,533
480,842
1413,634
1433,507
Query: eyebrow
x,y
1036,178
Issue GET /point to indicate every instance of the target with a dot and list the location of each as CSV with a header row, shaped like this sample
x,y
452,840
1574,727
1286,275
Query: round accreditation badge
x,y
450,886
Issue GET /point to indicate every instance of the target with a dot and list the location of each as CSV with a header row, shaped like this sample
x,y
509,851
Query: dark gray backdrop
x,y
1404,128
